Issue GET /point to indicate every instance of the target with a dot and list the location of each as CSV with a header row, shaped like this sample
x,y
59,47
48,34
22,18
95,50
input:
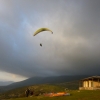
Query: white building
x,y
90,83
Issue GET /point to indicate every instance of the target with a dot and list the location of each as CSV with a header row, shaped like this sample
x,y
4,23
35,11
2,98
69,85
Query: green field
x,y
75,95
40,90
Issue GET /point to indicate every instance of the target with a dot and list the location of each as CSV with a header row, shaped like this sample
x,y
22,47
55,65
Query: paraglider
x,y
41,30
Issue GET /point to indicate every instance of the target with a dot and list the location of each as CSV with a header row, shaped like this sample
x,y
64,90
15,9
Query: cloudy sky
x,y
73,49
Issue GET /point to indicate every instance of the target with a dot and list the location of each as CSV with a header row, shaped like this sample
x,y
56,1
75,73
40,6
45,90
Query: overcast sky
x,y
73,49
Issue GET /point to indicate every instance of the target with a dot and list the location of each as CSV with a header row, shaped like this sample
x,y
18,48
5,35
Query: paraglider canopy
x,y
42,29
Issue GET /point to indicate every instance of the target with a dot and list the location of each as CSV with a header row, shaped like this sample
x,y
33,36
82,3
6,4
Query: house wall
x,y
85,84
90,83
96,83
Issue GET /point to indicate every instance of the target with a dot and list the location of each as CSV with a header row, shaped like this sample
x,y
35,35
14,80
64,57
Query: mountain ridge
x,y
42,80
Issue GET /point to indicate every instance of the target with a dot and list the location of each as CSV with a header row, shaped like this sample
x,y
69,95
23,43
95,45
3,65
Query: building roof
x,y
92,77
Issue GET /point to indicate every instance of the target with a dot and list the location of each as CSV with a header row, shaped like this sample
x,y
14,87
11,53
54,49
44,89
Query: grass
x,y
75,95
19,93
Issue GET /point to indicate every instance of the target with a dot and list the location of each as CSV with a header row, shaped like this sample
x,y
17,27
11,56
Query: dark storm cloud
x,y
72,49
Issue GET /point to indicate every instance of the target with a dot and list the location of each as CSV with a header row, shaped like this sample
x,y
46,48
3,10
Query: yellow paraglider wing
x,y
42,29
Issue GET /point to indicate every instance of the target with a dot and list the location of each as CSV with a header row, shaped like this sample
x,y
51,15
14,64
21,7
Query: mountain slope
x,y
42,80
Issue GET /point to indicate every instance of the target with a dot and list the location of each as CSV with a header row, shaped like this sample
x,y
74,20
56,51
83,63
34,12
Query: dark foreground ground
x,y
75,95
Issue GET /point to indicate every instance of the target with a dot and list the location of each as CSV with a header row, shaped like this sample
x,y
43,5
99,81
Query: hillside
x,y
75,95
41,80
40,89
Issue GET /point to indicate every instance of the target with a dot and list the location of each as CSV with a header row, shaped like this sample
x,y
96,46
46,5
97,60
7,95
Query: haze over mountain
x,y
4,83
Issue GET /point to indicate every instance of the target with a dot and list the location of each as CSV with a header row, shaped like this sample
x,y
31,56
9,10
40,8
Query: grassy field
x,y
75,95
46,88
19,93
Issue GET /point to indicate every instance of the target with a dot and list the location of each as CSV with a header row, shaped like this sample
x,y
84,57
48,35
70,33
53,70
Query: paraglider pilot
x,y
27,92
40,44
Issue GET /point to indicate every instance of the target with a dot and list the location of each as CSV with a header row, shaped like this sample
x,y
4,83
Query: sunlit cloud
x,y
5,76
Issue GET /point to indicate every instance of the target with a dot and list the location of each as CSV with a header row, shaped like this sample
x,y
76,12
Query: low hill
x,y
40,89
42,80
75,95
